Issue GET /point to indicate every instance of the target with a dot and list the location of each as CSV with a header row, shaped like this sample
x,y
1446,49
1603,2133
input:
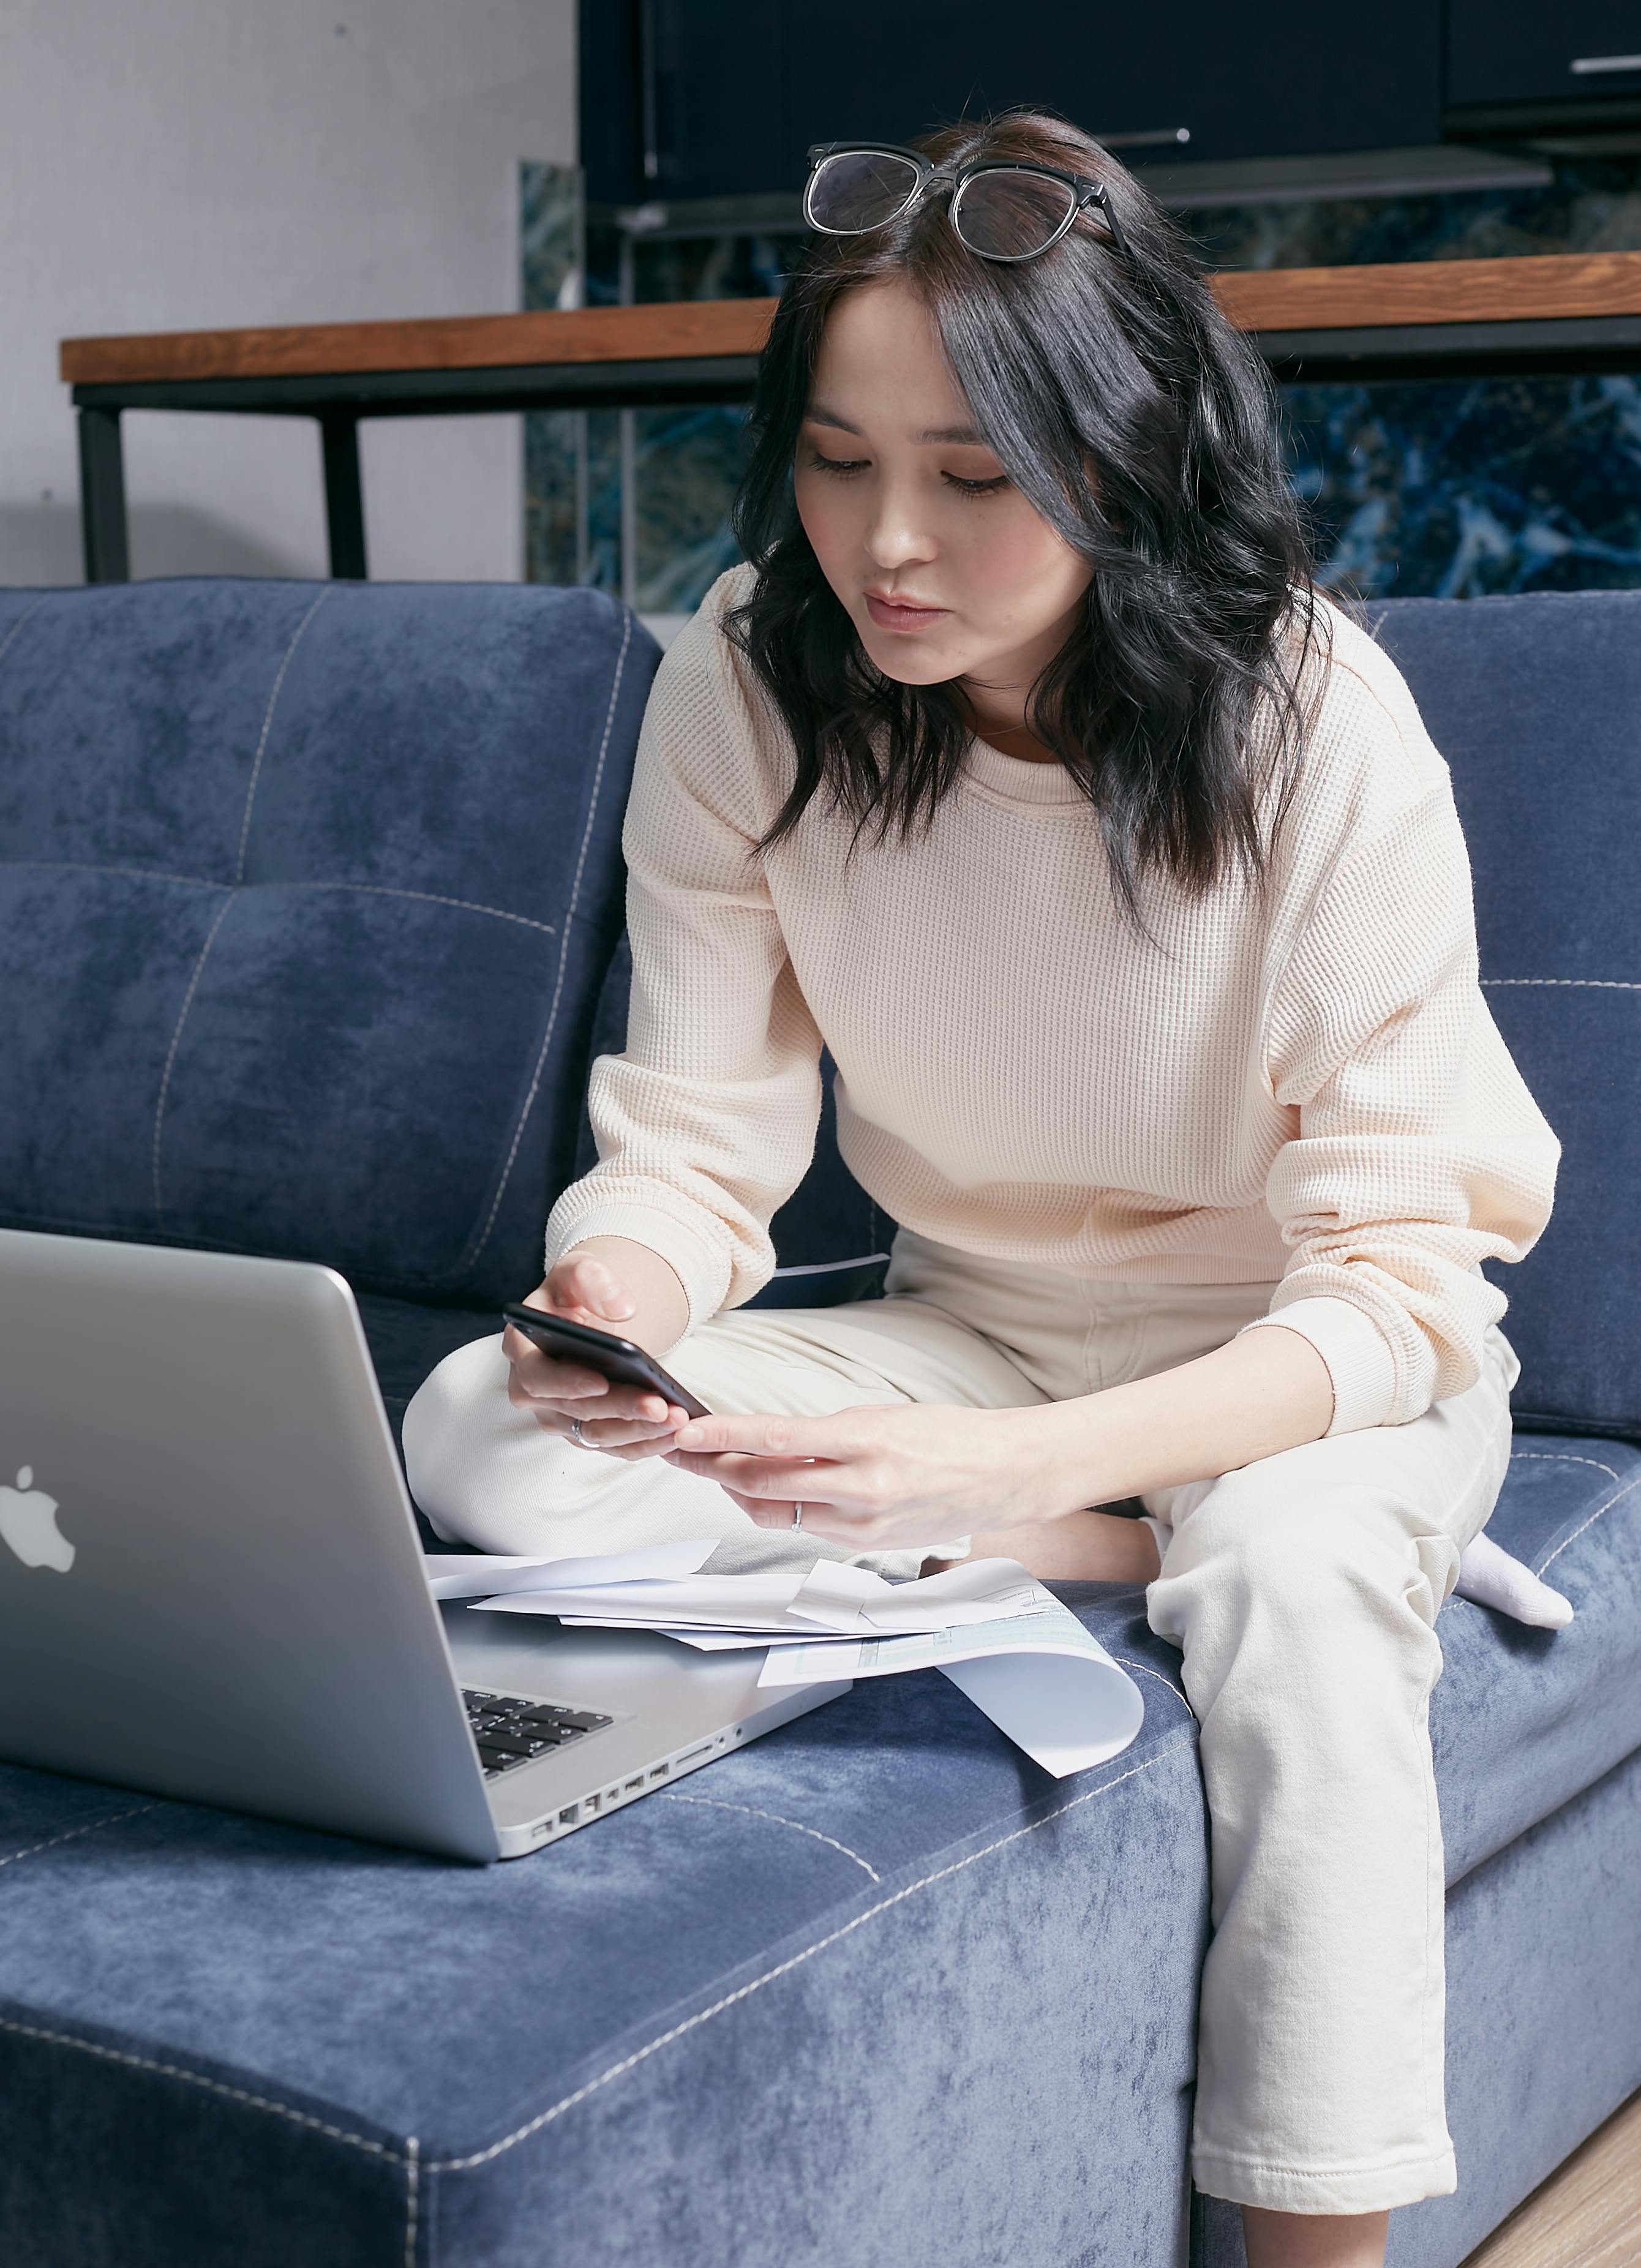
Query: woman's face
x,y
944,569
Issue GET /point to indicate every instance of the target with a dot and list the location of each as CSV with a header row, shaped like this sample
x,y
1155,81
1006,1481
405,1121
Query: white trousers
x,y
1303,1591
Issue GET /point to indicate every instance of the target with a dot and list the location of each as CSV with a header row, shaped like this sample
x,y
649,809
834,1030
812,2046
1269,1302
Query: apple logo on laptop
x,y
28,1523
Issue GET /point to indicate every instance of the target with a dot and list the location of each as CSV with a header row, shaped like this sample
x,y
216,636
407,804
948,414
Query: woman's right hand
x,y
601,1283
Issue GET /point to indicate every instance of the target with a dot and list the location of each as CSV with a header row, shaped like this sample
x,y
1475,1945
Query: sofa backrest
x,y
831,1242
1536,702
309,895
306,895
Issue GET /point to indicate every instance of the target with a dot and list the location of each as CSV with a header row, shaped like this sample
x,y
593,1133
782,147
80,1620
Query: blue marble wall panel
x,y
553,262
1592,205
1453,488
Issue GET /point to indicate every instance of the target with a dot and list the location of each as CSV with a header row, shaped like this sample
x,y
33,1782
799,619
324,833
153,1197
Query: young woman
x,y
1023,768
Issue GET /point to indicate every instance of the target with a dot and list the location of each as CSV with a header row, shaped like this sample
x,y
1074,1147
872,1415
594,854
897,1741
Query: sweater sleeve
x,y
706,1123
1420,1152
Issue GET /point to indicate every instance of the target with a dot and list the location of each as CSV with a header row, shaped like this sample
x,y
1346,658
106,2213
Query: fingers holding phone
x,y
562,1391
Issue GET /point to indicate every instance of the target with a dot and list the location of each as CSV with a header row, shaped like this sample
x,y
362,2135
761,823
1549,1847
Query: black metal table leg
x,y
102,497
344,496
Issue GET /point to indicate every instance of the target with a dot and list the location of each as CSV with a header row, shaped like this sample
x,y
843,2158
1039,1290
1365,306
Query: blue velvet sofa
x,y
310,922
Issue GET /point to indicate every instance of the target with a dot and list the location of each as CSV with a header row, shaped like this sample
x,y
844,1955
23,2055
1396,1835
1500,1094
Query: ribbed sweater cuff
x,y
1359,1358
692,1260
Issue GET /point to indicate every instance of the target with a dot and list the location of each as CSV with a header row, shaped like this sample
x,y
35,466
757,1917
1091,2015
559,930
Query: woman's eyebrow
x,y
818,413
950,437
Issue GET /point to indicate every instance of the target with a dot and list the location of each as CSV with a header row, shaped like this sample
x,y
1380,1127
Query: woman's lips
x,y
894,614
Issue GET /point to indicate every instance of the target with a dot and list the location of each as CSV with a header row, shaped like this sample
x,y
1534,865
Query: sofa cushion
x,y
831,1241
874,1990
407,1340
1523,1720
305,894
1536,702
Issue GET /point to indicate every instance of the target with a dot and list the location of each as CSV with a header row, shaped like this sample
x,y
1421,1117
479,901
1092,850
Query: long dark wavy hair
x,y
1140,427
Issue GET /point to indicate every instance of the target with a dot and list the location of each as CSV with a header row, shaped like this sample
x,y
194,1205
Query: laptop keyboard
x,y
511,1731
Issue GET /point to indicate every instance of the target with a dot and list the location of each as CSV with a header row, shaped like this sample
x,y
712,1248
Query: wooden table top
x,y
1415,294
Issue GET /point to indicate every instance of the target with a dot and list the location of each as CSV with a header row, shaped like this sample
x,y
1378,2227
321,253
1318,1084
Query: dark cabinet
x,y
686,98
1537,63
718,88
682,98
1247,82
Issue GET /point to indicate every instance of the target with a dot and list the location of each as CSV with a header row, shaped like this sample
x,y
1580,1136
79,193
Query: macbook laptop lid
x,y
211,1585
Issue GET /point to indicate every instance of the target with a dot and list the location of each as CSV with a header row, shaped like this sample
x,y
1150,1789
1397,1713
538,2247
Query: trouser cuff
x,y
1332,2189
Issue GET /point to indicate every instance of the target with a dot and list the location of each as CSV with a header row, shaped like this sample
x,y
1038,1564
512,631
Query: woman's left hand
x,y
877,1479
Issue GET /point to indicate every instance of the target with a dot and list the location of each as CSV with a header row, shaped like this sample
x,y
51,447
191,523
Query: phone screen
x,y
618,1359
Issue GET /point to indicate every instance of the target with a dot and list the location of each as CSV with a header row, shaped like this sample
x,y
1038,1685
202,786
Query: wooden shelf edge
x,y
664,332
1415,294
1541,288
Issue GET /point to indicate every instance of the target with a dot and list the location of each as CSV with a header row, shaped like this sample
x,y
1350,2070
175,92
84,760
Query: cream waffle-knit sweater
x,y
1307,1090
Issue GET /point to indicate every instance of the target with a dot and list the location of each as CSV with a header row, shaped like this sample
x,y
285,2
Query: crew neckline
x,y
1017,779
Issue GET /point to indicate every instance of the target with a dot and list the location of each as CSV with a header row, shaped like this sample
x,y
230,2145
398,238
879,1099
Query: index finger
x,y
761,1436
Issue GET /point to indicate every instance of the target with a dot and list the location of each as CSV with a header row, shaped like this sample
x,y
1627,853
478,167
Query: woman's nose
x,y
895,536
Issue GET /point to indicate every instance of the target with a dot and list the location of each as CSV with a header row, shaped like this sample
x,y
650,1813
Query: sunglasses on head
x,y
1002,210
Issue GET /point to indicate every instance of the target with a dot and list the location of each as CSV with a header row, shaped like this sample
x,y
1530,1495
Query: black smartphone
x,y
619,1360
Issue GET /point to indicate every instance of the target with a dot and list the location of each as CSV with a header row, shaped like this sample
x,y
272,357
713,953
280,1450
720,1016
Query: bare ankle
x,y
1084,1547
1304,2240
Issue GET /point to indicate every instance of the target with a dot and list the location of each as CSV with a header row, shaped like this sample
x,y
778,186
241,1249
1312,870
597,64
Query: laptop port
x,y
705,1749
569,1815
658,1771
635,1783
591,1804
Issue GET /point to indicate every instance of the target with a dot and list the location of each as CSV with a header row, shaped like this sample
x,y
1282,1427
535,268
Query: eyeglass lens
x,y
1004,215
860,189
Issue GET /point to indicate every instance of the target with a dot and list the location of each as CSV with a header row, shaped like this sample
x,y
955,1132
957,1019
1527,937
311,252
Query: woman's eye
x,y
976,488
842,464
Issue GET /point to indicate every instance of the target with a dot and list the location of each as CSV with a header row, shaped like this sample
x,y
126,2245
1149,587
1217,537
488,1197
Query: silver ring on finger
x,y
797,1515
578,1436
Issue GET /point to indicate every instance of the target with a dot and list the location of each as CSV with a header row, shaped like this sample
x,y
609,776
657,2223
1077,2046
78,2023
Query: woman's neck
x,y
1000,704
1000,721
1017,740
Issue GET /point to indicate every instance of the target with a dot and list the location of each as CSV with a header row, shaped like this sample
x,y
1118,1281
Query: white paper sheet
x,y
470,1575
745,1602
830,1597
1036,1672
998,1634
709,1638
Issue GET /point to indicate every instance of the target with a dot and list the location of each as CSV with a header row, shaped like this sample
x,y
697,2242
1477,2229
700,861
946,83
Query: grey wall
x,y
181,164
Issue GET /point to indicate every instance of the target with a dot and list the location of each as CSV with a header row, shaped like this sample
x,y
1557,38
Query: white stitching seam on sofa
x,y
475,1249
267,722
1590,1522
751,1811
1558,1457
109,1819
176,1041
238,879
198,882
402,2157
21,624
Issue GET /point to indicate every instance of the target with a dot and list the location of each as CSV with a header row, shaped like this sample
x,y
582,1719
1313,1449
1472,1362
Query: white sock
x,y
1492,1577
1486,1574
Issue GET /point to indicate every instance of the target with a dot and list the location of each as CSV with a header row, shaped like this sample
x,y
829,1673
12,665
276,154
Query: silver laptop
x,y
211,1585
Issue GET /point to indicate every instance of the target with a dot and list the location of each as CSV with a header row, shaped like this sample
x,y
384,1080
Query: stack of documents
x,y
996,1632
